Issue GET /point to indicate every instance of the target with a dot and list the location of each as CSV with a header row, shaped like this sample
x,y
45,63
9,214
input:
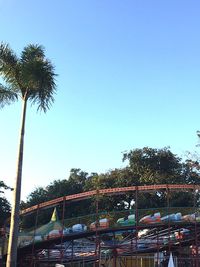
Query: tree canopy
x,y
144,166
4,204
29,77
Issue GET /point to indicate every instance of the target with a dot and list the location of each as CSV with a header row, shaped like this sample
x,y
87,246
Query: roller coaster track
x,y
156,229
75,236
110,191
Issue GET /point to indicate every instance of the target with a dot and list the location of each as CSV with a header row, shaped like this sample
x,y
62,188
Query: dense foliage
x,y
4,204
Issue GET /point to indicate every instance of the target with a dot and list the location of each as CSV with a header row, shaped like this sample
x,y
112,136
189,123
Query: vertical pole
x,y
48,252
132,250
168,211
99,254
157,247
196,234
114,257
132,237
33,245
137,222
180,240
72,254
63,222
97,223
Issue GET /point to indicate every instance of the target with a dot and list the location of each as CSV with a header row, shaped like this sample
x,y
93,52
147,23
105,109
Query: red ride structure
x,y
136,237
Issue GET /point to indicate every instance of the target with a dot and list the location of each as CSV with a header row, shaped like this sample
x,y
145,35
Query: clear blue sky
x,y
129,77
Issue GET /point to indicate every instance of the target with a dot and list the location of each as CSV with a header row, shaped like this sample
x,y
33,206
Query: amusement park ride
x,y
142,238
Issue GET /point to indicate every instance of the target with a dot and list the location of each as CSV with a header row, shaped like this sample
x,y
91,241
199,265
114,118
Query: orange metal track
x,y
109,191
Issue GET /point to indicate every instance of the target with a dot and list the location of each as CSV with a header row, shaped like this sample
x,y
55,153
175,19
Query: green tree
x,y
192,168
4,204
30,77
76,183
161,166
154,166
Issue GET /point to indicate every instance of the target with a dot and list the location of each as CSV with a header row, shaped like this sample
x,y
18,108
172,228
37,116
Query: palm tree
x,y
29,77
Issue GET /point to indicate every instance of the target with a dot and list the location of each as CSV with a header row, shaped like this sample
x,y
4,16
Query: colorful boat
x,y
174,217
77,228
129,220
102,223
149,219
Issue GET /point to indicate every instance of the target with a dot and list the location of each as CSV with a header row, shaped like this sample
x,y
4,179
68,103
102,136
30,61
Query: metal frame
x,y
30,253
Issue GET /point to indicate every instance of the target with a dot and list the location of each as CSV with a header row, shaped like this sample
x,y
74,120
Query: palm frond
x,y
39,77
32,52
7,96
46,86
32,75
8,64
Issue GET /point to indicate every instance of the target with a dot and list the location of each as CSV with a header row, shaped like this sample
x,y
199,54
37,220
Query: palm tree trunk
x,y
14,223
